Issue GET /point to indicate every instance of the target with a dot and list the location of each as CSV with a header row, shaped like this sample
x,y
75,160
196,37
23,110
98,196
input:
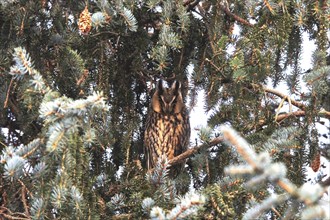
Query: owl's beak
x,y
168,108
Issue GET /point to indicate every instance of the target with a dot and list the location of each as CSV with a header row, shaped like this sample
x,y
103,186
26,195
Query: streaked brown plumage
x,y
167,128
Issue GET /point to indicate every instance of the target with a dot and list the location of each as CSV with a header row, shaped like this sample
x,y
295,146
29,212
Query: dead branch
x,y
277,93
300,105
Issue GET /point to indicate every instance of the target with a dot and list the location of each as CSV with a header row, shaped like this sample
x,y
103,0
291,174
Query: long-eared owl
x,y
167,128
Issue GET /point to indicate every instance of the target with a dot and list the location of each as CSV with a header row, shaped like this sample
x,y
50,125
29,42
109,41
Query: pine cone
x,y
316,162
85,22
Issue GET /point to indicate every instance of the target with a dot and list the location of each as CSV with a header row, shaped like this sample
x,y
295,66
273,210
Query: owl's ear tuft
x,y
176,86
159,86
155,101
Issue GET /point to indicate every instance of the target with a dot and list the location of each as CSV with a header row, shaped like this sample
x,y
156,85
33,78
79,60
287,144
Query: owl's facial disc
x,y
168,104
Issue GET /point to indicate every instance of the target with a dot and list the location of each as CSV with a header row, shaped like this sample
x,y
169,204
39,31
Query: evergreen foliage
x,y
75,86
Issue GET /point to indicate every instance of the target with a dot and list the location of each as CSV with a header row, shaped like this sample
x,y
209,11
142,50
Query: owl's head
x,y
167,100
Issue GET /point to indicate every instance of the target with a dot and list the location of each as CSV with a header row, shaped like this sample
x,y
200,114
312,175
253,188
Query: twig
x,y
243,149
8,92
287,186
3,144
281,117
236,17
210,61
12,217
276,212
191,4
187,2
299,113
23,185
22,23
267,4
325,113
207,169
326,182
82,77
216,67
107,32
30,152
11,214
215,205
26,207
279,107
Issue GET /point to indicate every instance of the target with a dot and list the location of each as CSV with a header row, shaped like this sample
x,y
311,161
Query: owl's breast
x,y
166,135
169,132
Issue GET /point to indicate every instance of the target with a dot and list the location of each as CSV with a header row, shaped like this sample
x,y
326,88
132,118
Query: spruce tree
x,y
75,86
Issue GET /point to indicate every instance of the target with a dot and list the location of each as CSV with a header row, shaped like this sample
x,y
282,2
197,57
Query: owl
x,y
167,130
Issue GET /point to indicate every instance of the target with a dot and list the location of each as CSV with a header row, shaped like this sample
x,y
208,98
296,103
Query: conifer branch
x,y
182,157
129,18
262,169
70,143
186,206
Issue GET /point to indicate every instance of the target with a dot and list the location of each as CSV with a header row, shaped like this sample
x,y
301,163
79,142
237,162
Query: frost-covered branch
x,y
66,124
186,206
165,190
261,169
